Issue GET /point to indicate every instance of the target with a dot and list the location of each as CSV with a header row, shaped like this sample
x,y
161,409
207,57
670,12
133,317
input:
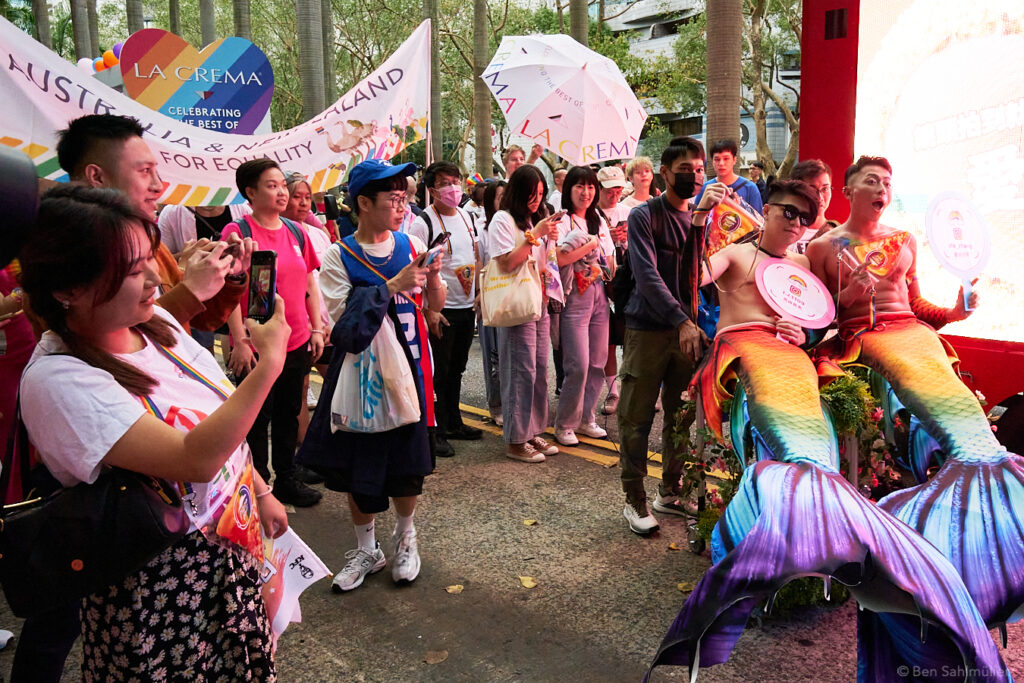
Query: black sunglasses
x,y
789,212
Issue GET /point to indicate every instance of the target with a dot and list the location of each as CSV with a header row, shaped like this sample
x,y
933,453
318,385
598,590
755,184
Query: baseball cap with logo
x,y
375,169
611,176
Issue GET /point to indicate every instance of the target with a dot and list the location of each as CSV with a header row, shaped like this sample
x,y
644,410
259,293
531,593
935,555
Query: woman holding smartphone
x,y
263,184
586,257
117,382
520,230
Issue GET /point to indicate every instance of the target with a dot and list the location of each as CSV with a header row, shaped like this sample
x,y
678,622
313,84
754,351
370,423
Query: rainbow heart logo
x,y
227,86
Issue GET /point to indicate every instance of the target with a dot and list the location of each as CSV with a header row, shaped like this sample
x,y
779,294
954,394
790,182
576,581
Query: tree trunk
x,y
41,13
754,29
174,16
327,27
579,21
724,76
481,96
243,25
207,22
134,11
94,27
80,29
434,150
311,57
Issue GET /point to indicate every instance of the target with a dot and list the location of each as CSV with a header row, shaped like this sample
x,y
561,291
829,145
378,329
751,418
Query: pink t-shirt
x,y
293,266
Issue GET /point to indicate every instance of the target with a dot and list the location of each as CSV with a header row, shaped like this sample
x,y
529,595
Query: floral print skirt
x,y
194,613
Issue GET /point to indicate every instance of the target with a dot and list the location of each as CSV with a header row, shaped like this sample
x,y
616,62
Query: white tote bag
x,y
376,389
510,299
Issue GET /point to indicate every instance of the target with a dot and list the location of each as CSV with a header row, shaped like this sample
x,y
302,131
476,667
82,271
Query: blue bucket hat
x,y
375,169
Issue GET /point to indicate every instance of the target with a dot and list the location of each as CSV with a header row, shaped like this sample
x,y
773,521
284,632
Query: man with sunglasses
x,y
752,344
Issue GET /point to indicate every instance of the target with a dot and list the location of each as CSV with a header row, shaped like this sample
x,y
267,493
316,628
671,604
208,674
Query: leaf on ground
x,y
686,586
435,656
673,546
527,581
456,589
529,522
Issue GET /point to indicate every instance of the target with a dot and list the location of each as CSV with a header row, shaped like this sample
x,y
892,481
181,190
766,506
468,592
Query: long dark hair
x,y
490,200
83,238
516,200
583,175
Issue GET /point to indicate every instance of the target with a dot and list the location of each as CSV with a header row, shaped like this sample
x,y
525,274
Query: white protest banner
x,y
289,567
388,110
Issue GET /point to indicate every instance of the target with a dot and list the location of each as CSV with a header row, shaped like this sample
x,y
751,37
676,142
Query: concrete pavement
x,y
603,600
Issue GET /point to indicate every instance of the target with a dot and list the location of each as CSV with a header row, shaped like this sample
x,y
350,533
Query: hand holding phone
x,y
262,286
440,239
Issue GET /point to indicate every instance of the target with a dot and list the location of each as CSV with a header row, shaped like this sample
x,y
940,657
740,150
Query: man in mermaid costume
x,y
796,515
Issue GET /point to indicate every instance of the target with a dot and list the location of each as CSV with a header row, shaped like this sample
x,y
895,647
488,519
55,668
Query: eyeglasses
x,y
790,212
396,200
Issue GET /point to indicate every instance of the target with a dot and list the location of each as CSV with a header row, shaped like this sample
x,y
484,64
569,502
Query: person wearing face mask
x,y
451,330
662,342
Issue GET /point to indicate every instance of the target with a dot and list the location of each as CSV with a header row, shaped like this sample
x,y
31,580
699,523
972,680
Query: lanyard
x,y
469,229
369,266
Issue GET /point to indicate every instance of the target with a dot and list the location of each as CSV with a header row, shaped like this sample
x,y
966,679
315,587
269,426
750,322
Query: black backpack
x,y
296,231
623,283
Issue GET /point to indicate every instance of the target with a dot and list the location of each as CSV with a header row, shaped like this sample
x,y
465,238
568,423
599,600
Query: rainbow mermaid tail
x,y
972,510
799,517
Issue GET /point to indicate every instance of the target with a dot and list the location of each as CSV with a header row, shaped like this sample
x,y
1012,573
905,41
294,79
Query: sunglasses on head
x,y
789,212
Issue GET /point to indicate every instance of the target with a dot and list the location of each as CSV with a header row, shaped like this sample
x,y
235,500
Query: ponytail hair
x,y
82,238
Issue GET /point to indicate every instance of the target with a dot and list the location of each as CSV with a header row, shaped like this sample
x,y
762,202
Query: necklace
x,y
760,248
375,260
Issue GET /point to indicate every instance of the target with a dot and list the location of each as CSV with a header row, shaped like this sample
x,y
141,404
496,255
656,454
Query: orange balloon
x,y
98,64
109,59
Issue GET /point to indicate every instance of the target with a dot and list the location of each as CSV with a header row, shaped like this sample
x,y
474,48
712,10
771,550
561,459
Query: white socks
x,y
365,536
402,524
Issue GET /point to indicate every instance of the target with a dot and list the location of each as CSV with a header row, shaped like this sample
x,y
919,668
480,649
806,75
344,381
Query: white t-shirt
x,y
178,224
555,199
504,236
459,267
320,241
604,237
335,284
75,413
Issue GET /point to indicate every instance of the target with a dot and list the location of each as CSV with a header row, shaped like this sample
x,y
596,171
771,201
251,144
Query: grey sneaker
x,y
674,505
640,520
406,559
361,562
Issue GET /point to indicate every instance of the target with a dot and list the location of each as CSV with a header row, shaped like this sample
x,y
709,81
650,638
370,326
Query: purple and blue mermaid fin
x,y
972,510
789,520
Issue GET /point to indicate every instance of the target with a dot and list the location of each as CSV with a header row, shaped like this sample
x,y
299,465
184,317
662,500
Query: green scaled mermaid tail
x,y
973,509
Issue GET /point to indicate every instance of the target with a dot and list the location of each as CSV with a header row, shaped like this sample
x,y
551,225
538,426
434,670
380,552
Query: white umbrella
x,y
566,97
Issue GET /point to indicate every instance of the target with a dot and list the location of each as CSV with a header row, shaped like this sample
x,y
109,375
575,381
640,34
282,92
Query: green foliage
x,y
706,522
808,591
850,401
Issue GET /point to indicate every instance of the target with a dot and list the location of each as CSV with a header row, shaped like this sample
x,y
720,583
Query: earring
x,y
66,304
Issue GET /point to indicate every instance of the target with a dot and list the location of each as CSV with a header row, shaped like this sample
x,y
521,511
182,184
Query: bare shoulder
x,y
799,259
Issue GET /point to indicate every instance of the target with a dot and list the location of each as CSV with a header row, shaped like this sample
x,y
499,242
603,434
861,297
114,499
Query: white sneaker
x,y
407,558
593,430
640,520
674,505
361,562
566,437
611,404
310,398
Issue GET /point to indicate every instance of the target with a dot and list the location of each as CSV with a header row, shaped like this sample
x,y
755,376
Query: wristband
x,y
316,331
264,494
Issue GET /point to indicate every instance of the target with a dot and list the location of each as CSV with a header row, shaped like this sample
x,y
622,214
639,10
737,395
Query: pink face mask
x,y
450,195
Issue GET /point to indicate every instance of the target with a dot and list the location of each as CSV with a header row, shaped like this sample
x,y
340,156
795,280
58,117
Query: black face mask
x,y
684,184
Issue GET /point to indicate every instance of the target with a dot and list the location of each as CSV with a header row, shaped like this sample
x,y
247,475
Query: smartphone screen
x,y
441,238
262,285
